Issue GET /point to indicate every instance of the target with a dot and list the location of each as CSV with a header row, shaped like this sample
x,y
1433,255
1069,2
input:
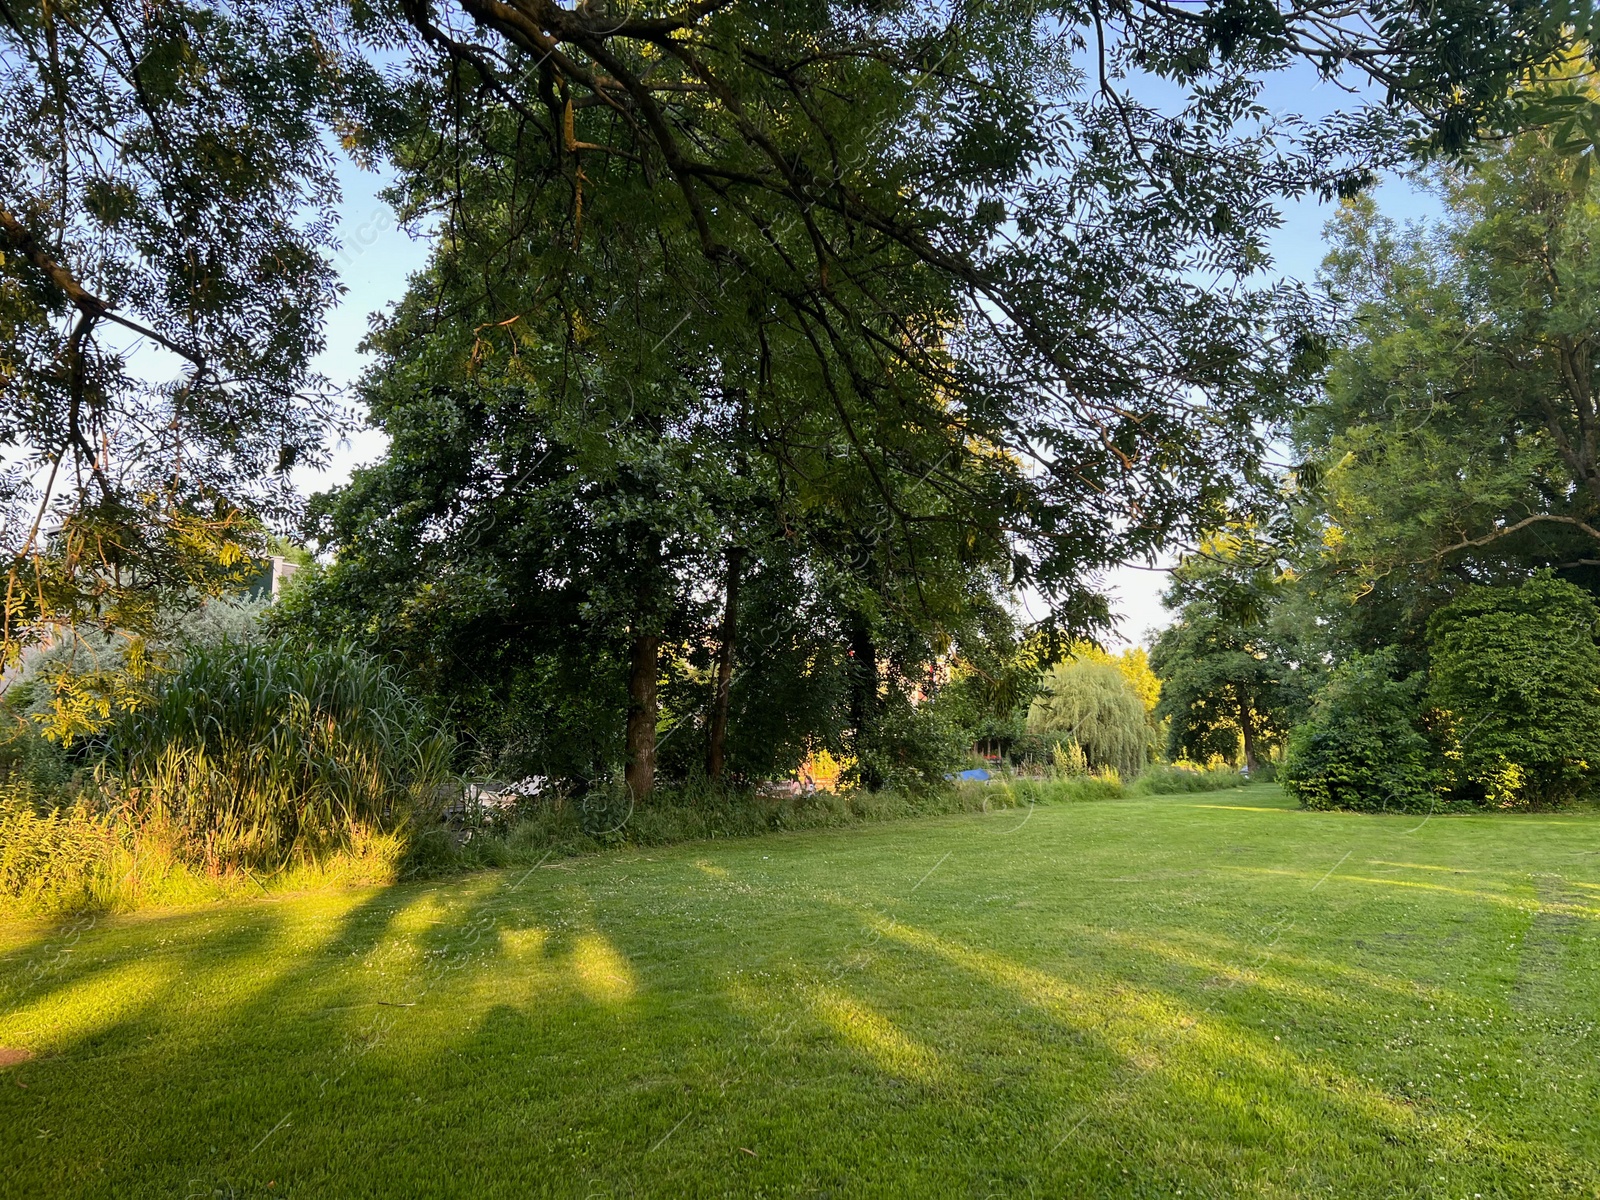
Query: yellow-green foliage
x,y
257,751
49,858
75,858
1092,703
245,768
185,536
1069,758
1134,663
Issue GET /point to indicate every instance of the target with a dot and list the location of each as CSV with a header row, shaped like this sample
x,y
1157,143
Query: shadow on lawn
x,y
513,1002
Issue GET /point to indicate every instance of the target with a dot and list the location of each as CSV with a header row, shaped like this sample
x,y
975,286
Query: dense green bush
x,y
1515,675
251,751
913,747
26,756
1362,747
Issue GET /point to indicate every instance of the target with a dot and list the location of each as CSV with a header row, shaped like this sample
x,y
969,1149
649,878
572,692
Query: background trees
x,y
1088,706
1234,667
1456,437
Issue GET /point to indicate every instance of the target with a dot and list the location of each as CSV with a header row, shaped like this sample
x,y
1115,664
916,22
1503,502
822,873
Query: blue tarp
x,y
978,775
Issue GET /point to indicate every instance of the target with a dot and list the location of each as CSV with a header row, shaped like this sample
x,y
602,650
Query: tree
x,y
960,236
1092,704
1133,663
164,202
1230,666
580,503
532,533
1459,440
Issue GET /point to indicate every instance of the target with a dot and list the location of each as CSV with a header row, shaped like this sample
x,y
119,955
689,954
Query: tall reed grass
x,y
60,855
252,752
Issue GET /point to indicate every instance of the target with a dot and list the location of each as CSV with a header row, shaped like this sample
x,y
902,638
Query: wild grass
x,y
252,752
76,858
250,767
584,826
1169,780
1213,995
85,856
589,824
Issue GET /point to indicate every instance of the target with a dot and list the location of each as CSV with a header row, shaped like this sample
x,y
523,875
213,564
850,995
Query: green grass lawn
x,y
1208,995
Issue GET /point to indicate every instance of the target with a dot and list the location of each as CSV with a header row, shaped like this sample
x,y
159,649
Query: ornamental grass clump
x,y
253,752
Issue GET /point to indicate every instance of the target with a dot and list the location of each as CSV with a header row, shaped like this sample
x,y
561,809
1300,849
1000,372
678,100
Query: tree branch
x,y
1537,519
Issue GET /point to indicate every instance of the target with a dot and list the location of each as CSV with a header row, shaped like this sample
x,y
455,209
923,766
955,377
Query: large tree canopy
x,y
1458,440
935,298
959,224
165,173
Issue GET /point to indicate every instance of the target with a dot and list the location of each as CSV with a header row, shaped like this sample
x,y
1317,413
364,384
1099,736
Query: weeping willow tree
x,y
1093,704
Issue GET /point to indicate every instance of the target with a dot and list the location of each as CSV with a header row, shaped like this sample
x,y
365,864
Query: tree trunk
x,y
640,772
864,699
716,750
1582,454
1247,729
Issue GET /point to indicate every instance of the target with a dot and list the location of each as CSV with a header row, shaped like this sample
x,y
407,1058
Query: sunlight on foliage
x,y
1093,705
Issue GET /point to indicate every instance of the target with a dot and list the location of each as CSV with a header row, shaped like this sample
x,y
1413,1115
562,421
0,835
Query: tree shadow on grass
x,y
582,1032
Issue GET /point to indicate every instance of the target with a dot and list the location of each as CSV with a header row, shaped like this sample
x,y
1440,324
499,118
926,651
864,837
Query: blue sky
x,y
376,258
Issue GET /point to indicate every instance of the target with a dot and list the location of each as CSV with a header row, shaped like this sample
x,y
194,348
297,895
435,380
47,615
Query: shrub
x,y
913,746
252,751
1362,748
27,756
1516,677
1177,779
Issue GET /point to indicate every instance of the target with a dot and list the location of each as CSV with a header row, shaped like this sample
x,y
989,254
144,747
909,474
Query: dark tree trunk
x,y
864,698
1579,447
640,772
716,749
1247,729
